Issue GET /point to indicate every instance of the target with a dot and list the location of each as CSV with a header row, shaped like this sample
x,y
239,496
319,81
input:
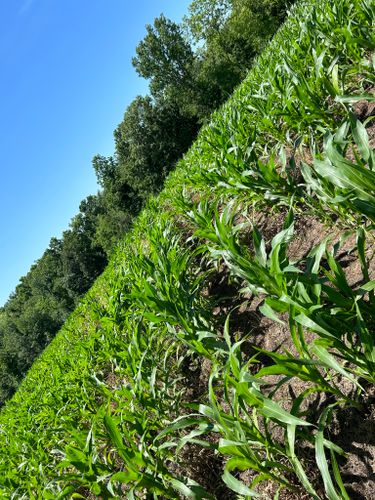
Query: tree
x,y
82,258
231,33
151,138
118,200
164,56
105,170
206,18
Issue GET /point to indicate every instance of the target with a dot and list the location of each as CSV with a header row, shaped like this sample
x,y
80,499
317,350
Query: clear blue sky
x,y
65,81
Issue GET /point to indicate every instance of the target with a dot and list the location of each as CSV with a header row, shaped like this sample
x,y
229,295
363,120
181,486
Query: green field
x,y
228,349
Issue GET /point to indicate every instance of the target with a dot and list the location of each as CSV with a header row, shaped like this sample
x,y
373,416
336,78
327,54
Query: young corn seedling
x,y
347,187
263,273
166,291
124,458
342,318
239,171
248,422
288,289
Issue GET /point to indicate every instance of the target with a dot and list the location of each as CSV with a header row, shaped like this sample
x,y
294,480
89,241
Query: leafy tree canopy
x,y
164,56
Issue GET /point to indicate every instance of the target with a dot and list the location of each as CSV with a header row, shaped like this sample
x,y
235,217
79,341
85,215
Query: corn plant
x,y
166,291
347,187
310,301
248,421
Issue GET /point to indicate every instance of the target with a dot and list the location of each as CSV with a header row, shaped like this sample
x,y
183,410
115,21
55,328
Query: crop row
x,y
152,379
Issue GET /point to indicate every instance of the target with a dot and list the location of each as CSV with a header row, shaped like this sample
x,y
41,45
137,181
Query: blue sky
x,y
66,79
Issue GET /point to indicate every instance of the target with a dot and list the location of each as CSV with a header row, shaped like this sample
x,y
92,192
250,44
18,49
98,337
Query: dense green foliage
x,y
186,84
114,408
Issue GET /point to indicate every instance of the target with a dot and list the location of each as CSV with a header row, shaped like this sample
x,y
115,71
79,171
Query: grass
x,y
113,408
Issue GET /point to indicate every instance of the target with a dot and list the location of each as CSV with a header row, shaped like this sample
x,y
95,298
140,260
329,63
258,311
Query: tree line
x,y
192,68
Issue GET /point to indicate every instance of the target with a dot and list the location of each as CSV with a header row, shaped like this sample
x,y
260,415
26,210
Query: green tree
x,y
118,200
164,56
206,18
82,258
151,138
230,33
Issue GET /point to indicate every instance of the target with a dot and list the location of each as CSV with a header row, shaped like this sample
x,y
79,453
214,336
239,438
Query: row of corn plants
x,y
108,411
244,415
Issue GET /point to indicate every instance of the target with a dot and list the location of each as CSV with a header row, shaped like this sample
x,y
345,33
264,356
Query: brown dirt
x,y
354,431
365,110
196,371
205,467
268,489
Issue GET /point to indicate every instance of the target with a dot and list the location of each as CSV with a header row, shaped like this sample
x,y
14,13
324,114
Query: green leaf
x,y
77,458
259,247
328,360
126,454
190,490
113,432
355,98
368,287
321,459
299,470
267,311
336,473
266,406
360,137
238,486
229,447
273,410
182,423
125,477
361,242
307,322
95,488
